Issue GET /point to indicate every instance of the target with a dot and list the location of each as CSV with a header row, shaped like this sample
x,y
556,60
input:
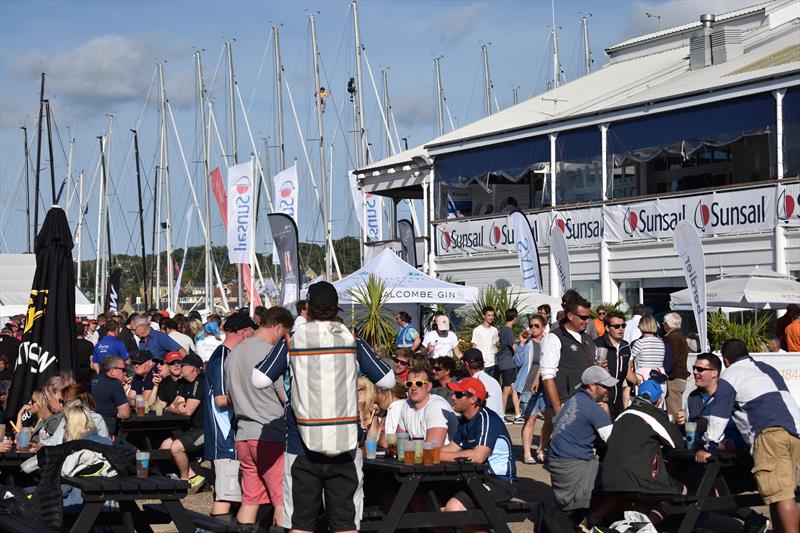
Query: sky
x,y
100,59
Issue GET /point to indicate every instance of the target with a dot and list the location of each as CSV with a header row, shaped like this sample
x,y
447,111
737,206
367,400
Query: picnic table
x,y
127,491
466,476
146,432
10,466
703,498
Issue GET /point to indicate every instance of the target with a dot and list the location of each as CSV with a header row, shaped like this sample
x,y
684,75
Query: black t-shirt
x,y
29,420
139,384
194,390
108,394
85,350
126,336
168,390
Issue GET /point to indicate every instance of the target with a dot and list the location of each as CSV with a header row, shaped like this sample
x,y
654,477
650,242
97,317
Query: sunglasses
x,y
175,363
119,367
582,317
459,394
437,369
401,362
418,383
700,369
617,326
534,326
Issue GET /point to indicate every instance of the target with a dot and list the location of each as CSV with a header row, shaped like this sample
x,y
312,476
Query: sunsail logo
x,y
646,221
573,229
787,207
452,239
500,235
713,215
242,209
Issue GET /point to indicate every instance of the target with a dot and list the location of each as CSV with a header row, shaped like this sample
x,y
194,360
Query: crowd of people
x,y
280,403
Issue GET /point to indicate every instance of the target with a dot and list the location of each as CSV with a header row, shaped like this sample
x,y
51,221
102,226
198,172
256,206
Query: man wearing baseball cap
x,y
143,370
571,461
166,378
474,363
483,438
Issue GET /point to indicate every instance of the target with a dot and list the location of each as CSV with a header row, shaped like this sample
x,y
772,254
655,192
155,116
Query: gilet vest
x,y
575,358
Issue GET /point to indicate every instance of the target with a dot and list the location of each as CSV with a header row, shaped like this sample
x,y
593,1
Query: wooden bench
x,y
126,491
20,524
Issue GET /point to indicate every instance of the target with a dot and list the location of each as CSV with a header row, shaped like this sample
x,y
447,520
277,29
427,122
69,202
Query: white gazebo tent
x,y
16,278
404,283
761,288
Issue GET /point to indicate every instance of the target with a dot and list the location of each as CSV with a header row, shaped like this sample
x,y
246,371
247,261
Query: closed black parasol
x,y
48,341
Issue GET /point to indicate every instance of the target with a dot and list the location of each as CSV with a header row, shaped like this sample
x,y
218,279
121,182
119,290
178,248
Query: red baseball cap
x,y
172,357
473,386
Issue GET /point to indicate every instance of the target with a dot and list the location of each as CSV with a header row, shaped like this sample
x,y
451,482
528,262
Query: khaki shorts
x,y
776,454
226,481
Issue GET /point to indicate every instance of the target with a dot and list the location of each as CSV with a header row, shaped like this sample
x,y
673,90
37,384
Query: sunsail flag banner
x,y
369,210
241,203
526,249
48,340
284,235
408,248
690,254
286,192
558,249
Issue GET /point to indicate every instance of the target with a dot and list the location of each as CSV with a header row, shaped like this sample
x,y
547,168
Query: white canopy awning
x,y
404,283
16,279
759,289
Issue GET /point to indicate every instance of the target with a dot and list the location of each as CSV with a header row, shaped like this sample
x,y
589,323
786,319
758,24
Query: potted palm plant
x,y
372,320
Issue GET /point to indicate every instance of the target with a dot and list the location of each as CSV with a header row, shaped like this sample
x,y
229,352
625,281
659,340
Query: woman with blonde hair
x,y
389,403
366,401
647,353
75,394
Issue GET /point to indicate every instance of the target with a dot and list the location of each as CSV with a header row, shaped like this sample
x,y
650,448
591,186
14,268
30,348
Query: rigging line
x,y
377,98
471,92
270,208
260,70
12,199
302,143
216,72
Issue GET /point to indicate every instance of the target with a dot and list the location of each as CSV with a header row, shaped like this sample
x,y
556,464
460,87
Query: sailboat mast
x,y
164,166
98,249
27,190
487,80
364,154
234,152
326,215
68,179
141,216
387,109
514,95
50,152
209,281
279,98
38,169
587,51
79,229
439,93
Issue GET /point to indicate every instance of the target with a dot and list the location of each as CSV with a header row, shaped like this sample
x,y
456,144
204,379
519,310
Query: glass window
x,y
579,174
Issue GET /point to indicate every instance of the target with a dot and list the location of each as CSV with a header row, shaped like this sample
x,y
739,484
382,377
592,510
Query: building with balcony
x,y
698,122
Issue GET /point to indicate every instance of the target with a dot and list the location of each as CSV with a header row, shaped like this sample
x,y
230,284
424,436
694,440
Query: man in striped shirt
x,y
767,416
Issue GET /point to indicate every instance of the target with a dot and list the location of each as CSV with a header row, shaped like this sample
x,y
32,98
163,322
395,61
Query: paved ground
x,y
534,484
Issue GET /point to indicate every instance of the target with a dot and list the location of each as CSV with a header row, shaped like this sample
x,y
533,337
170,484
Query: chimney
x,y
700,51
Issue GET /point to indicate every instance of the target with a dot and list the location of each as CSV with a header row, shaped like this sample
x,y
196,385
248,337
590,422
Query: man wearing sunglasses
x,y
617,360
482,437
166,378
402,363
566,353
144,368
426,416
109,394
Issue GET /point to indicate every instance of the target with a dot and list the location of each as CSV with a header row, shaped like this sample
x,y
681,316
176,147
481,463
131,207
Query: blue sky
x,y
100,58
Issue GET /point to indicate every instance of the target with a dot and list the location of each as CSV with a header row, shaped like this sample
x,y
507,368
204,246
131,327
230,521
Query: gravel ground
x,y
534,484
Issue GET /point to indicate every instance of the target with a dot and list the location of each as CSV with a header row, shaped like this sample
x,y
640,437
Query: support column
x,y
426,224
555,285
780,236
430,229
605,254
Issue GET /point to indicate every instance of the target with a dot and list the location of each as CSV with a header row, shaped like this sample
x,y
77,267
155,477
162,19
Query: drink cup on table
x,y
24,439
159,408
428,453
418,451
600,354
391,445
142,464
437,452
402,441
691,435
372,446
139,405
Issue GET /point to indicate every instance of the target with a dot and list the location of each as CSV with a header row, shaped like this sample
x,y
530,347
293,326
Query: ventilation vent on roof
x,y
700,49
726,43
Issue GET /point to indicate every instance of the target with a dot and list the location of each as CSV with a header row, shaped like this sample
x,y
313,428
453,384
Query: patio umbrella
x,y
48,340
759,289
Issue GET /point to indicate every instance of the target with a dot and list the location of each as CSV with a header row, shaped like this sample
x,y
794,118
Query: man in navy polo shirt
x,y
219,444
157,343
109,345
481,437
109,394
144,366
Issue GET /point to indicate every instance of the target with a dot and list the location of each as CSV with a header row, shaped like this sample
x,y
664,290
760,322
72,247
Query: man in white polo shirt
x,y
426,416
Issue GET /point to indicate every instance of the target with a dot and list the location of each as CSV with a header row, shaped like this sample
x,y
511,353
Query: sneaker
x,y
196,483
509,418
519,419
755,523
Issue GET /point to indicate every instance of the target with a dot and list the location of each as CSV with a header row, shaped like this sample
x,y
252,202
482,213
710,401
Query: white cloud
x,y
413,111
104,73
454,26
675,13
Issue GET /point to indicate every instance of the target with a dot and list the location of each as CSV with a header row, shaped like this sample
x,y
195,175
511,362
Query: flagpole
x,y
234,142
252,244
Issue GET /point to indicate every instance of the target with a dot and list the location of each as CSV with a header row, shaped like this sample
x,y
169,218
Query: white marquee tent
x,y
16,277
761,288
405,283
